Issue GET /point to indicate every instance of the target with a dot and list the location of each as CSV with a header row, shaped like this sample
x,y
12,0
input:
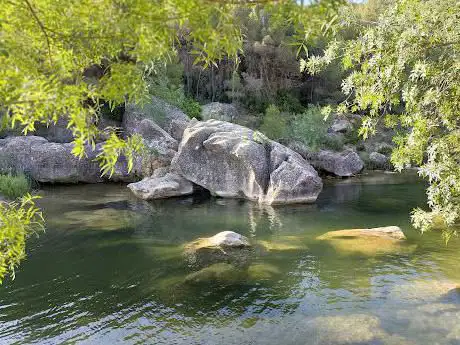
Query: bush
x,y
166,83
14,186
310,127
274,124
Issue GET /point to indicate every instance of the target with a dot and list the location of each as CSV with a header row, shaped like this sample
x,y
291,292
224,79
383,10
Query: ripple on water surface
x,y
110,270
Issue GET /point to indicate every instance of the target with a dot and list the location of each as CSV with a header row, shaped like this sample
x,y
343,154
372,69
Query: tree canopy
x,y
404,70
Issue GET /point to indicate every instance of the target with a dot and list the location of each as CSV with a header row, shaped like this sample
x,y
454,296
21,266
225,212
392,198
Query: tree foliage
x,y
18,221
64,58
404,71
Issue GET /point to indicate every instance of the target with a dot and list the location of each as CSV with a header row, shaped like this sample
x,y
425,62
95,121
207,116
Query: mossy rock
x,y
262,271
368,242
225,247
220,273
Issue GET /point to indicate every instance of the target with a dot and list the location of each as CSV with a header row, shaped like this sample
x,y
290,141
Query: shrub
x,y
274,124
166,83
310,127
334,142
14,186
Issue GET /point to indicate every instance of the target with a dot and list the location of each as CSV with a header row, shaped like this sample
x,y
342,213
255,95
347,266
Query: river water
x,y
110,270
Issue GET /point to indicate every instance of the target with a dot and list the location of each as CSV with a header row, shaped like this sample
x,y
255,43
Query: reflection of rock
x,y
367,241
341,330
262,271
221,273
103,219
226,246
166,186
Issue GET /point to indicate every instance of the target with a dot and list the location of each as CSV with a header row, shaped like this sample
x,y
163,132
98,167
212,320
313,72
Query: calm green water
x,y
110,270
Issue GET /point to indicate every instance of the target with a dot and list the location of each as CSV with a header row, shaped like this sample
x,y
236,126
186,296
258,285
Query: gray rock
x,y
166,186
46,162
219,111
168,117
228,239
50,162
161,147
292,178
378,161
346,163
341,126
58,132
233,161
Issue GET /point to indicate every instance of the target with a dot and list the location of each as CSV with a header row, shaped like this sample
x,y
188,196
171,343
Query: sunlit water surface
x,y
110,270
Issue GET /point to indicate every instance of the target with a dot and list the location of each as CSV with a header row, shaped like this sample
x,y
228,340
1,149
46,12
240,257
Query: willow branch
x,y
42,28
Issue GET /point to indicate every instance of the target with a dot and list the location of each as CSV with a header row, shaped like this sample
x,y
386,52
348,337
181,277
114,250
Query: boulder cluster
x,y
184,155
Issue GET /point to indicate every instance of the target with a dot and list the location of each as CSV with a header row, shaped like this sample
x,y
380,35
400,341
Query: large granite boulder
x,y
171,119
233,161
45,161
346,163
161,187
219,111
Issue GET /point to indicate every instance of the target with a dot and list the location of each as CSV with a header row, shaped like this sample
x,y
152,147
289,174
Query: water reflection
x,y
110,269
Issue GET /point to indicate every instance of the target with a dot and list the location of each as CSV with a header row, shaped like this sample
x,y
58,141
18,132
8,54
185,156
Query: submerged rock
x,y
226,246
346,329
346,163
219,111
367,241
262,271
221,273
166,186
233,161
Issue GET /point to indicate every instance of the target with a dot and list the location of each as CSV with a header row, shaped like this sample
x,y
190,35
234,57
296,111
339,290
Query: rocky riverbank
x,y
184,155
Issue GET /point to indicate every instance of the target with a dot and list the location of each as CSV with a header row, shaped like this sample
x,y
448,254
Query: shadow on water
x,y
110,269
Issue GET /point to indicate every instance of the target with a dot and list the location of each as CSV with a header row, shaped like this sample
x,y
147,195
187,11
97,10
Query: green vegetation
x,y
310,127
14,186
274,125
18,221
404,69
165,82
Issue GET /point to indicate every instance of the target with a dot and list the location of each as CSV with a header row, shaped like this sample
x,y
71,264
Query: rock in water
x,y
233,161
226,246
367,241
220,273
166,186
228,239
219,111
346,163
